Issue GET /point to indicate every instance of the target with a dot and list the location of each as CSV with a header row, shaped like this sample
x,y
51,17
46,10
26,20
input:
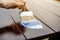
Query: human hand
x,y
12,3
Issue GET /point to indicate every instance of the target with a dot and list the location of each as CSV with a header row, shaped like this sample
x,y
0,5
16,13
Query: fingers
x,y
1,5
12,4
24,1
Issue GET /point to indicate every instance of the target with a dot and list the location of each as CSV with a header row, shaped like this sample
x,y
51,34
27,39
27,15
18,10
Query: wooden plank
x,y
31,33
51,8
48,17
5,18
55,6
53,2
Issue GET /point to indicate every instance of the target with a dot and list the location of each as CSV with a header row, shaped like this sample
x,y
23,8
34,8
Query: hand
x,y
12,3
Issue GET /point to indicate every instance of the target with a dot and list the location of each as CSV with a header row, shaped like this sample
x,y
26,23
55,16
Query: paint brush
x,y
28,20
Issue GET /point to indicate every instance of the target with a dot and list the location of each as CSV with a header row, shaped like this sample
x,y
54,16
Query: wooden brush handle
x,y
23,7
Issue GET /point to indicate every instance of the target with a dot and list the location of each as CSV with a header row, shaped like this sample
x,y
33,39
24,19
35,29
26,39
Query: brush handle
x,y
24,8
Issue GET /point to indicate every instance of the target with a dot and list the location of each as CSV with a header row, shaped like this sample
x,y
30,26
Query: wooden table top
x,y
47,11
